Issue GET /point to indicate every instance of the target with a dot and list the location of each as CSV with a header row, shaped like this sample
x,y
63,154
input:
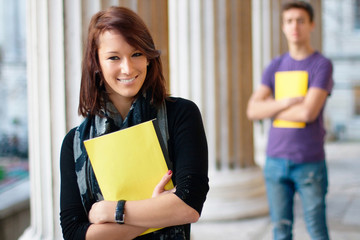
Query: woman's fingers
x,y
160,187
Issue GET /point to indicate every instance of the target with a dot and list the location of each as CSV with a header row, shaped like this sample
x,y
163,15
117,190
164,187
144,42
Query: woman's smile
x,y
127,80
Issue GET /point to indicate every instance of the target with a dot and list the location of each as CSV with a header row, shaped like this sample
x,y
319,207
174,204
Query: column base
x,y
235,194
33,233
30,234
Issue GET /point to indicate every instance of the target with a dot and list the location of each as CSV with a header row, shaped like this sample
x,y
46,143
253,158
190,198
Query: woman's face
x,y
124,67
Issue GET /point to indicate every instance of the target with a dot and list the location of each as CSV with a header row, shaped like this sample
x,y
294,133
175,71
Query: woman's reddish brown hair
x,y
92,91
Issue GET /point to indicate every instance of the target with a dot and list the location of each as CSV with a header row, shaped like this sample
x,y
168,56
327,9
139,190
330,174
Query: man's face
x,y
297,26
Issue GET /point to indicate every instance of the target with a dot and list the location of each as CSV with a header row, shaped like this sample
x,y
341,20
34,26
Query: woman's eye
x,y
114,58
138,54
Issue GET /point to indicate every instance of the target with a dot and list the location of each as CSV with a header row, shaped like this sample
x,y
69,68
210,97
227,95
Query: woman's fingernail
x,y
169,172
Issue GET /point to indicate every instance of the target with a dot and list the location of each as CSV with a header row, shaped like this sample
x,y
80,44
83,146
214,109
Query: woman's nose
x,y
126,66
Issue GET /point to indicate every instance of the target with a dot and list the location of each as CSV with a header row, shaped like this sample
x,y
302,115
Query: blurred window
x,y
13,94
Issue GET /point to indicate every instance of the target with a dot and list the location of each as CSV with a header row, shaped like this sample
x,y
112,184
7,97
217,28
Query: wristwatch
x,y
119,212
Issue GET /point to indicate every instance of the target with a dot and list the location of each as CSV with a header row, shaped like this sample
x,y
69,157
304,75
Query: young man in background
x,y
295,157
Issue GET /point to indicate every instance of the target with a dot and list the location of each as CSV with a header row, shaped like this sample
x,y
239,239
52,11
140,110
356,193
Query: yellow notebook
x,y
129,163
290,84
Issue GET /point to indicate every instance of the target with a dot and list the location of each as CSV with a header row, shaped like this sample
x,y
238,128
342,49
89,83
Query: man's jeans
x,y
283,179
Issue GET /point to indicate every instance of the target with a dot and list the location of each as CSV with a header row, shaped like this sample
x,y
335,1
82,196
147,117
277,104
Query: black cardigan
x,y
187,150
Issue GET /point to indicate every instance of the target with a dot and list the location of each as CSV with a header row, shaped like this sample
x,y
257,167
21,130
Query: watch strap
x,y
119,212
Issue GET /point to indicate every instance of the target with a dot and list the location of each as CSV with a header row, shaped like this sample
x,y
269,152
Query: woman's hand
x,y
160,188
102,212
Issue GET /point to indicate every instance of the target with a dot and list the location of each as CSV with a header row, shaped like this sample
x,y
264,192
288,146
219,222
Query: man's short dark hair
x,y
302,5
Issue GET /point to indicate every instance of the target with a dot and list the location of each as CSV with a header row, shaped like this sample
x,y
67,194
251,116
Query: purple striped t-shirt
x,y
300,144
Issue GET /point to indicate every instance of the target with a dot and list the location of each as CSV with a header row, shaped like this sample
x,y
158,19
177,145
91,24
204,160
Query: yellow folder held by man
x,y
129,163
290,84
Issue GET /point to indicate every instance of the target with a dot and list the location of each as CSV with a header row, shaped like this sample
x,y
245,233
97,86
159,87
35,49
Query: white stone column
x,y
54,52
262,54
209,63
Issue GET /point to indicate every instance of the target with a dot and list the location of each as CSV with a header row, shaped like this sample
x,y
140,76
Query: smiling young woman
x,y
135,34
122,85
